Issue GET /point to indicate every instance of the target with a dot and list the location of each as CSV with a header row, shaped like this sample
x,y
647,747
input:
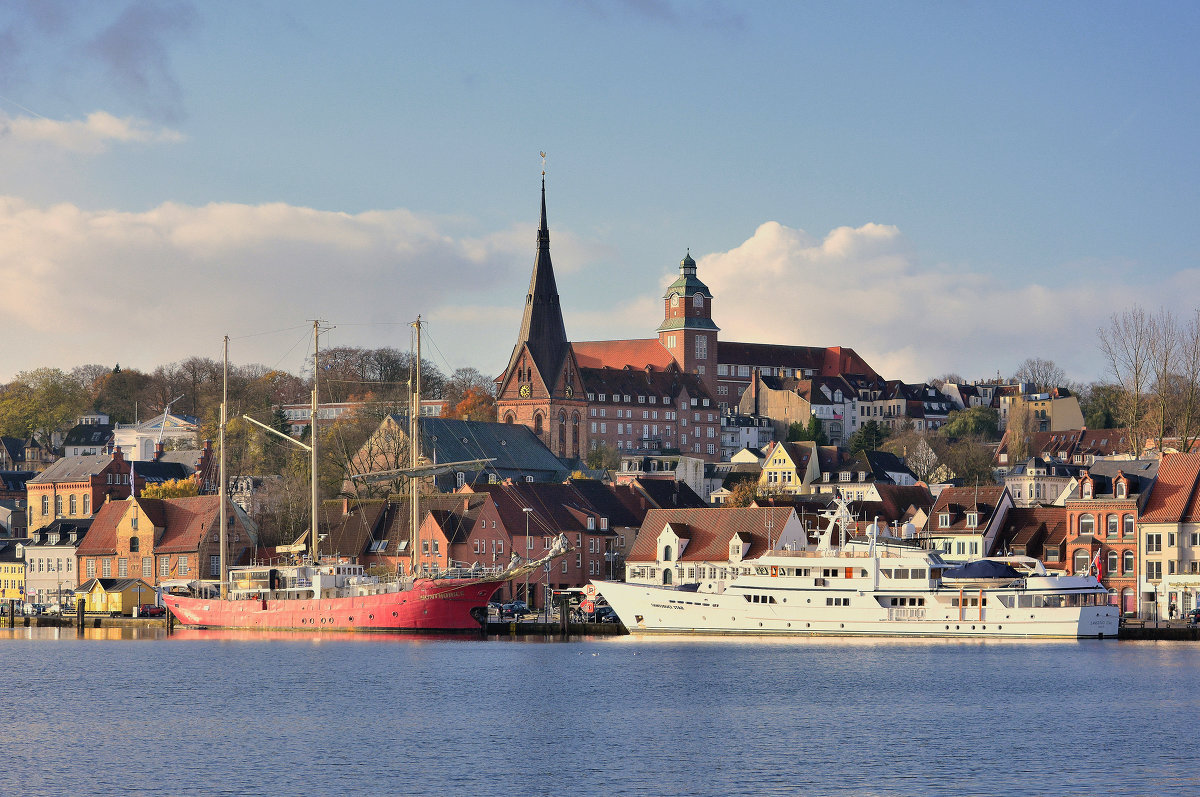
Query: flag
x,y
132,481
1096,564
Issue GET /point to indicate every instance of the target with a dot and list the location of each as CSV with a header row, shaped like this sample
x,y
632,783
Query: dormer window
x,y
944,520
844,476
973,520
862,475
1087,489
1121,491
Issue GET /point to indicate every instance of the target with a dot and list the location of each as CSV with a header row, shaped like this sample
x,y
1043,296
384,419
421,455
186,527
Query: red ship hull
x,y
443,605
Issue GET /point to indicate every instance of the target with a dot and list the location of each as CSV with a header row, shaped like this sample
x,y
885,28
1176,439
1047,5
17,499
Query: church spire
x,y
542,328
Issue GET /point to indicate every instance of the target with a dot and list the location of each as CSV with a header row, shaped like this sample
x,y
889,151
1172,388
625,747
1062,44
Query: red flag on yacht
x,y
1096,564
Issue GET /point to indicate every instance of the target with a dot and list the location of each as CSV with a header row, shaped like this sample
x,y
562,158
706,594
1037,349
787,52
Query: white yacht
x,y
881,586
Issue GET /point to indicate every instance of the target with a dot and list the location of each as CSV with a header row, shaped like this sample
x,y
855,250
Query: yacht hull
x,y
648,609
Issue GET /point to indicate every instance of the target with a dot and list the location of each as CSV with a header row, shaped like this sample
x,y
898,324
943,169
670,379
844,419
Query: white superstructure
x,y
882,587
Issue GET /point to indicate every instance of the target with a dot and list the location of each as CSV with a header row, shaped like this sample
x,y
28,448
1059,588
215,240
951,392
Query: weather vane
x,y
543,164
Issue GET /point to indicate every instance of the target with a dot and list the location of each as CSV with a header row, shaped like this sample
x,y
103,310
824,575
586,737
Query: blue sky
x,y
943,187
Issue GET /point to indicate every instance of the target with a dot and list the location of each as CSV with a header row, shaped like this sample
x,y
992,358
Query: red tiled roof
x,y
1175,495
187,520
620,353
101,537
710,530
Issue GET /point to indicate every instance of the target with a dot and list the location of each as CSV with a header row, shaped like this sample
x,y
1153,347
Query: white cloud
x,y
146,289
865,288
90,136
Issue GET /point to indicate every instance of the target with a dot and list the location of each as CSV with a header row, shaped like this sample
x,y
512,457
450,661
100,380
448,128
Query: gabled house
x,y
166,542
76,487
514,453
51,575
789,469
687,546
1169,537
140,440
1102,524
965,522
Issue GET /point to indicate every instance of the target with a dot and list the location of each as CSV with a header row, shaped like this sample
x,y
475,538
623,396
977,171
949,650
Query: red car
x,y
150,610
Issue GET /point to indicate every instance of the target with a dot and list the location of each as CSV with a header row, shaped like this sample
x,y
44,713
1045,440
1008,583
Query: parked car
x,y
514,609
150,610
54,609
605,614
1193,616
32,609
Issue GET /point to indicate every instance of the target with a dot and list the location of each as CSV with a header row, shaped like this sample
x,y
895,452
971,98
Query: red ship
x,y
284,597
339,595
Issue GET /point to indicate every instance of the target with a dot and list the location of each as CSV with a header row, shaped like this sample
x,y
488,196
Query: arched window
x,y
1112,563
1087,489
575,435
133,544
1087,524
1120,491
666,553
510,418
73,506
537,423
1128,601
58,506
1112,525
666,575
1082,561
698,301
45,505
1128,530
1127,563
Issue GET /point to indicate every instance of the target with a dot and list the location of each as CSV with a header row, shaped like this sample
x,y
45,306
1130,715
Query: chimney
x,y
118,455
158,451
345,506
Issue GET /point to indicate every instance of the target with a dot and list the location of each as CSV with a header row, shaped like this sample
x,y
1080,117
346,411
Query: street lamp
x,y
526,510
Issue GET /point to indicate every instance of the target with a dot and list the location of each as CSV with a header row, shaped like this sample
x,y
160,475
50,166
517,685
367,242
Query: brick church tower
x,y
541,387
687,330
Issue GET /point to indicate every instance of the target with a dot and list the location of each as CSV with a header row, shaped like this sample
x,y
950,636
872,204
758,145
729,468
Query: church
x,y
642,396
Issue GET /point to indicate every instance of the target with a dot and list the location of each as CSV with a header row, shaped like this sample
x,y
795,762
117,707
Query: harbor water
x,y
132,711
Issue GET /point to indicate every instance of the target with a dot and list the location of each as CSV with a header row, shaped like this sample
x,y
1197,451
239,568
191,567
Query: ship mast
x,y
312,425
414,448
222,487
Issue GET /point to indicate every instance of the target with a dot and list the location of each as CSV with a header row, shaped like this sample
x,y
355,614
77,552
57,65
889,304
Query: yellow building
x,y
114,596
12,570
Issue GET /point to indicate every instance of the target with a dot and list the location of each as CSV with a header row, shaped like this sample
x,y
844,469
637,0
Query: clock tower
x,y
687,330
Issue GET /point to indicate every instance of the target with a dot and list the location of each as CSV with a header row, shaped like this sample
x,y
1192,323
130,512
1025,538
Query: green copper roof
x,y
687,323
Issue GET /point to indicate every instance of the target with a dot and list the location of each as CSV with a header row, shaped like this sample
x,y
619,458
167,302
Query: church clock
x,y
525,391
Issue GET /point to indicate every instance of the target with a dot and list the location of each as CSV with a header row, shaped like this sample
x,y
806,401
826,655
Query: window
x,y
106,568
45,505
1153,543
1113,561
1154,571
148,567
698,301
701,347
1120,491
214,565
1127,531
164,566
1127,562
58,506
134,545
183,566
1087,524
122,568
72,504
564,565
972,519
90,567
87,504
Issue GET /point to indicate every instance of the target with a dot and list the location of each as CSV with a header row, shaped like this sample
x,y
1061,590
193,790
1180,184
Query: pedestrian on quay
x,y
1173,610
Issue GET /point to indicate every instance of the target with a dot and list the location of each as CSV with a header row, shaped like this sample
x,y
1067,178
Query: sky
x,y
944,186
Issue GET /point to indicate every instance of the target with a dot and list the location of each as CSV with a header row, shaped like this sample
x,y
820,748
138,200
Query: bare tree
x,y
922,460
1164,346
1020,430
1044,375
1126,344
1188,413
